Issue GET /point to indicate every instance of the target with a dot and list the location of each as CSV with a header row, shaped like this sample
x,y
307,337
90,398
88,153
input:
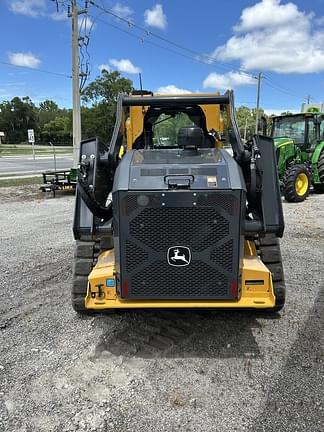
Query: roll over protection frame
x,y
170,101
241,155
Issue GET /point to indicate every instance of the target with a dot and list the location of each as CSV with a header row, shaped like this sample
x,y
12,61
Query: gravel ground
x,y
153,371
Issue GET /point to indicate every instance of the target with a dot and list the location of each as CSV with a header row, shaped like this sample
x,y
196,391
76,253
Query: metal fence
x,y
15,150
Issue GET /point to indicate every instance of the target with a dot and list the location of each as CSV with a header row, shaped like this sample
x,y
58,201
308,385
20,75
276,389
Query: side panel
x,y
318,150
285,153
92,152
271,197
314,161
83,223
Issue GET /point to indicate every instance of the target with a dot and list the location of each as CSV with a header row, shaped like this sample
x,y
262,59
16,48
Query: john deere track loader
x,y
165,217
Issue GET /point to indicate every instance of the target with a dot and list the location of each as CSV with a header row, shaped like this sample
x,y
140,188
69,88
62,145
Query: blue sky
x,y
229,41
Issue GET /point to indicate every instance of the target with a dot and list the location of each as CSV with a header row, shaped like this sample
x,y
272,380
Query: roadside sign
x,y
312,108
31,135
31,139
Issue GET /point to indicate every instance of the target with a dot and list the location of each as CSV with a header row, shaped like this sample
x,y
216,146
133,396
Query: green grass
x,y
19,174
26,150
21,181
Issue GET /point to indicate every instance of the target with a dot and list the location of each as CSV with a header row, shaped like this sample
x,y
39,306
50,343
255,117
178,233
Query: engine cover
x,y
182,240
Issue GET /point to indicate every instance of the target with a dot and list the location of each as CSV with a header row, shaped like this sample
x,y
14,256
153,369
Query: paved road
x,y
11,165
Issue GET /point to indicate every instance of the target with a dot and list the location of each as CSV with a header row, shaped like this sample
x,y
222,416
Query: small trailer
x,y
59,180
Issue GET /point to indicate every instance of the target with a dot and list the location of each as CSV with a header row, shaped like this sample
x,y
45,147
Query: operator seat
x,y
193,136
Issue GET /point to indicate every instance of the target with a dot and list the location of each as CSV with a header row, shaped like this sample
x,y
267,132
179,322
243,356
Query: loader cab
x,y
156,127
169,128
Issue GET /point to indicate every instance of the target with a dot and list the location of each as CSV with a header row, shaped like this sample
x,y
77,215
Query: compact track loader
x,y
165,217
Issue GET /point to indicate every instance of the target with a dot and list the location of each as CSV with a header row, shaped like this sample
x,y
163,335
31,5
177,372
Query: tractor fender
x,y
282,142
288,153
316,154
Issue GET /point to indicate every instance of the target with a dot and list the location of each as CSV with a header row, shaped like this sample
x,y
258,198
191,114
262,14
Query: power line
x,y
193,54
268,81
37,70
197,55
143,40
84,40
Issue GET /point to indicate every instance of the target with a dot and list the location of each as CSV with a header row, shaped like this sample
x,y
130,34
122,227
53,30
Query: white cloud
x,y
24,59
104,67
125,65
155,17
32,8
269,13
228,80
122,10
59,16
35,8
275,37
171,89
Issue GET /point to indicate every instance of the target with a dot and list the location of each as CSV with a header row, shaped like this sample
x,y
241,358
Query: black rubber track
x,y
268,249
85,256
290,177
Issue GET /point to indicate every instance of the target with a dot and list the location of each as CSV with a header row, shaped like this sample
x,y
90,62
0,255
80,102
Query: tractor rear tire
x,y
319,187
268,249
297,182
85,255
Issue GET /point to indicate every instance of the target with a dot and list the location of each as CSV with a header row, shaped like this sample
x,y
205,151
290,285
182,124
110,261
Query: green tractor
x,y
299,142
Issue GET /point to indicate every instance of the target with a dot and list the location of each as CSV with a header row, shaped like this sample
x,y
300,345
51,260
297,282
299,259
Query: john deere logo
x,y
179,256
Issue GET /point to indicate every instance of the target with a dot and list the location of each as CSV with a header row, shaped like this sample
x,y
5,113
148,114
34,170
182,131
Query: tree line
x,y
54,124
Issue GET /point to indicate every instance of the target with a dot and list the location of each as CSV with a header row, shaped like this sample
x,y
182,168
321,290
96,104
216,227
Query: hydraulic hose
x,y
88,197
93,205
254,154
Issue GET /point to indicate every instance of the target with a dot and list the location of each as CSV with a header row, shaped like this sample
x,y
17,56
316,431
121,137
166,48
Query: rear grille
x,y
228,202
223,255
135,256
210,229
177,282
160,228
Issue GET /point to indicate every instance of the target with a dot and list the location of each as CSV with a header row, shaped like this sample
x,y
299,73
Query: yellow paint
x,y
213,120
135,124
249,248
121,152
285,143
301,184
129,133
253,295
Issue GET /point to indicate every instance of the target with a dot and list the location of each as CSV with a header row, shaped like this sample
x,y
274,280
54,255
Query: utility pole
x,y
258,102
75,83
308,99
